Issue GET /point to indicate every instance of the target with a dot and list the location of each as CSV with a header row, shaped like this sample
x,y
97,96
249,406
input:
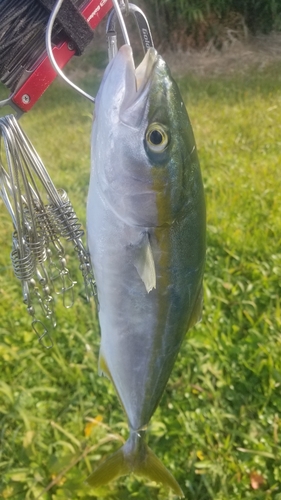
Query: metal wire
x,y
64,218
142,25
121,22
22,37
126,4
49,44
42,217
22,28
48,40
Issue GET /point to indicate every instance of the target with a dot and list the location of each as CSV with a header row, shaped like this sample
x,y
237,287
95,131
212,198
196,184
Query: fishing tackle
x,y
52,59
141,22
42,221
25,68
125,4
31,71
42,215
116,12
40,225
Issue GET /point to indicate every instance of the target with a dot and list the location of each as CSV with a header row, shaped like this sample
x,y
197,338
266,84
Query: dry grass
x,y
238,56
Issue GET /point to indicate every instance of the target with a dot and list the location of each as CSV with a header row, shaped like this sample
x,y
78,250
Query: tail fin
x,y
135,456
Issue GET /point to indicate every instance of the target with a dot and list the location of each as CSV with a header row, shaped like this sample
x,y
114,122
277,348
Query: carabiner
x,y
142,24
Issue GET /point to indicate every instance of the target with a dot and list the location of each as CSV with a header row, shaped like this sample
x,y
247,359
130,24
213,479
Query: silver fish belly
x,y
146,237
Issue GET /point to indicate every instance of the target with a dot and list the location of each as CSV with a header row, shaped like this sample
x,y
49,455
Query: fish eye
x,y
156,138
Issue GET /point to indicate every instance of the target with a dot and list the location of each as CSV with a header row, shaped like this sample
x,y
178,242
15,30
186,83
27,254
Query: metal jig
x,y
41,222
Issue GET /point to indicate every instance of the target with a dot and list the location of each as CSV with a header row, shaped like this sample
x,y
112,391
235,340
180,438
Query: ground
x,y
237,55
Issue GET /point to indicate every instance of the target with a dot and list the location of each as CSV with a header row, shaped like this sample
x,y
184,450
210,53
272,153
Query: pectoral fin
x,y
144,263
103,368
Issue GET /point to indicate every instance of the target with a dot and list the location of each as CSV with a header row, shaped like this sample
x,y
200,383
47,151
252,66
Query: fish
x,y
146,232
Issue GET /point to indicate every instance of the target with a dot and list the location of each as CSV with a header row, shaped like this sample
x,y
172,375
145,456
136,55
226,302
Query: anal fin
x,y
103,368
196,315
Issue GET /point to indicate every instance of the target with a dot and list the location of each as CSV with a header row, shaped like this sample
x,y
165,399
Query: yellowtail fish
x,y
146,237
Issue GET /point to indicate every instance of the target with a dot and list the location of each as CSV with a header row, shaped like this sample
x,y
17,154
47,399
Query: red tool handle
x,y
44,74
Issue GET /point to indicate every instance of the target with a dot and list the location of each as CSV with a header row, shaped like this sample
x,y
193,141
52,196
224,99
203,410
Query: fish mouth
x,y
137,79
145,68
124,88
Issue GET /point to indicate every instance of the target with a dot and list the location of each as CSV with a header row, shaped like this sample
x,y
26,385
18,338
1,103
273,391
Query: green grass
x,y
218,423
